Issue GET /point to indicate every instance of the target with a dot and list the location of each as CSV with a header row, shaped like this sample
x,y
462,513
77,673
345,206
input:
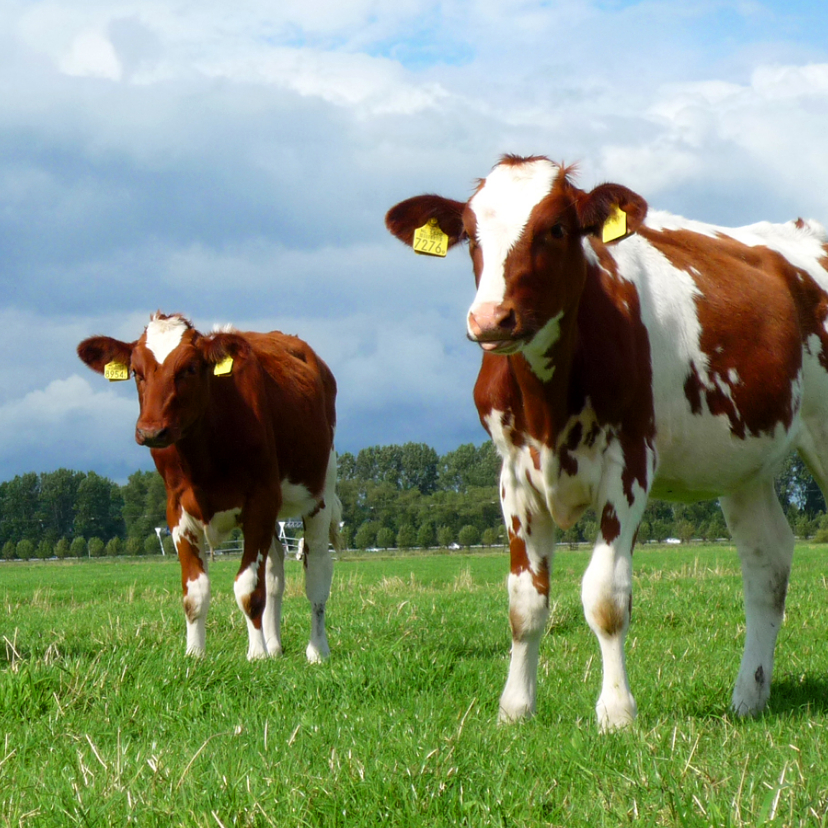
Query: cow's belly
x,y
706,460
194,529
297,500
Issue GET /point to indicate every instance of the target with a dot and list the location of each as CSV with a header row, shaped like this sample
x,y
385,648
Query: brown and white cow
x,y
678,360
241,428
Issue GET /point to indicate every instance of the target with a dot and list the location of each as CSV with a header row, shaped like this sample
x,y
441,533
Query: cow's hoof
x,y
616,714
316,655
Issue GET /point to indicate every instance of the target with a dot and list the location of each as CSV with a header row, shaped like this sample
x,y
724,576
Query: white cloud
x,y
91,55
69,424
235,163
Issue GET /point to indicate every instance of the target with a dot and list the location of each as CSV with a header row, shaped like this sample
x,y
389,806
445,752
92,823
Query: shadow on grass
x,y
799,697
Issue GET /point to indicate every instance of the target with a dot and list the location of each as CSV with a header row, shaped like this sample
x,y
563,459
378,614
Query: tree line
x,y
392,496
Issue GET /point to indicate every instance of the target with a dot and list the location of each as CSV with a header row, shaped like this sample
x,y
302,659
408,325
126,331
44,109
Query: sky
x,y
234,162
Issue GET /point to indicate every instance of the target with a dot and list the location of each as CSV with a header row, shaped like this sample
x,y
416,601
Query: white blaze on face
x,y
164,335
502,208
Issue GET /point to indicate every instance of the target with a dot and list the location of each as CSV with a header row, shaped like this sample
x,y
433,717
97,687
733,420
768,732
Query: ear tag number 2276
x,y
430,239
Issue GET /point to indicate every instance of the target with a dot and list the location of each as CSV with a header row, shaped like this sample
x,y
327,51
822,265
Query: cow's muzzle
x,y
153,437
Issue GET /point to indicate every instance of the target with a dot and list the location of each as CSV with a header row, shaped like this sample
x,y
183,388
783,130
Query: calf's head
x,y
526,225
173,367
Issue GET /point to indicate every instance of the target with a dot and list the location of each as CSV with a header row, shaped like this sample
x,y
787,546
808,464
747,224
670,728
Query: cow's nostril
x,y
507,323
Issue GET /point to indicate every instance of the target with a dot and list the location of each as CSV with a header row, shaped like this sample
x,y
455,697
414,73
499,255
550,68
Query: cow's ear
x,y
407,216
611,212
217,348
99,351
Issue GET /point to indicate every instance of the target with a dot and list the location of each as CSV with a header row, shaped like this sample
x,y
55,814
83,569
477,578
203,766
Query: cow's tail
x,y
333,531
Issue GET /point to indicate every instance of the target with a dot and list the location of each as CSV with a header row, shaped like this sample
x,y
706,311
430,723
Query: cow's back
x,y
301,397
735,320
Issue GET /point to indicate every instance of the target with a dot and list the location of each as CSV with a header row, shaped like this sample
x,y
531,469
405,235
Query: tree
x,y
418,468
821,533
98,508
25,549
345,466
9,551
145,503
366,535
114,547
133,546
470,466
20,508
78,548
346,537
468,535
385,537
426,535
795,486
62,549
44,550
58,494
96,547
406,537
445,536
490,537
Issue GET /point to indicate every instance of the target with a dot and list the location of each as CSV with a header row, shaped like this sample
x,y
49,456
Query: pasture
x,y
105,722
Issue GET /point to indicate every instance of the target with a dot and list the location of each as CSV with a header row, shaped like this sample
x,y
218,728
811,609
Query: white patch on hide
x,y
164,336
502,208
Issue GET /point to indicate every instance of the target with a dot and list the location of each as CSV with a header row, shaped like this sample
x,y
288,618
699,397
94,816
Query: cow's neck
x,y
544,377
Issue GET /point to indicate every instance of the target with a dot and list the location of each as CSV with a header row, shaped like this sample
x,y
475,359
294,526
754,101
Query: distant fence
x,y
293,545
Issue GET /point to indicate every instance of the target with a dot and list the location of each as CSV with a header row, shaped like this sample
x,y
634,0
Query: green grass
x,y
105,722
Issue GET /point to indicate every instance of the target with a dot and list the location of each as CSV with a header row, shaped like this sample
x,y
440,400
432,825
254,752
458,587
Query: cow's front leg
x,y
531,549
189,544
250,588
607,598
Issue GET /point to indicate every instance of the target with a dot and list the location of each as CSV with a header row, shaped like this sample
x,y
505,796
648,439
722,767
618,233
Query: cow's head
x,y
173,366
526,226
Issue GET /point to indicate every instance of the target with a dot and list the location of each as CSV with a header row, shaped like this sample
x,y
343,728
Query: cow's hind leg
x,y
765,543
275,589
531,548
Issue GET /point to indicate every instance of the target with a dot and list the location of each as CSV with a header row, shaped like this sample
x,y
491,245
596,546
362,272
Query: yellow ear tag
x,y
224,367
116,371
615,227
430,239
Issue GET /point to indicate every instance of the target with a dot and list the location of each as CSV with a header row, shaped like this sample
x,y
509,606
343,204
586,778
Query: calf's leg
x,y
321,529
189,543
318,576
765,544
249,587
606,590
274,589
531,548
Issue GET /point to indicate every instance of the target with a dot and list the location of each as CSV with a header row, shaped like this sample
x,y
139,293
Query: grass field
x,y
105,722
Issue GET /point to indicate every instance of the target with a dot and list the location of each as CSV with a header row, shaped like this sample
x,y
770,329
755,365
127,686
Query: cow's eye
x,y
556,231
185,373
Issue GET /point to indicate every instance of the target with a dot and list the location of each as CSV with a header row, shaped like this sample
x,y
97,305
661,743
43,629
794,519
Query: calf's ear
x,y
219,346
404,218
611,212
98,351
